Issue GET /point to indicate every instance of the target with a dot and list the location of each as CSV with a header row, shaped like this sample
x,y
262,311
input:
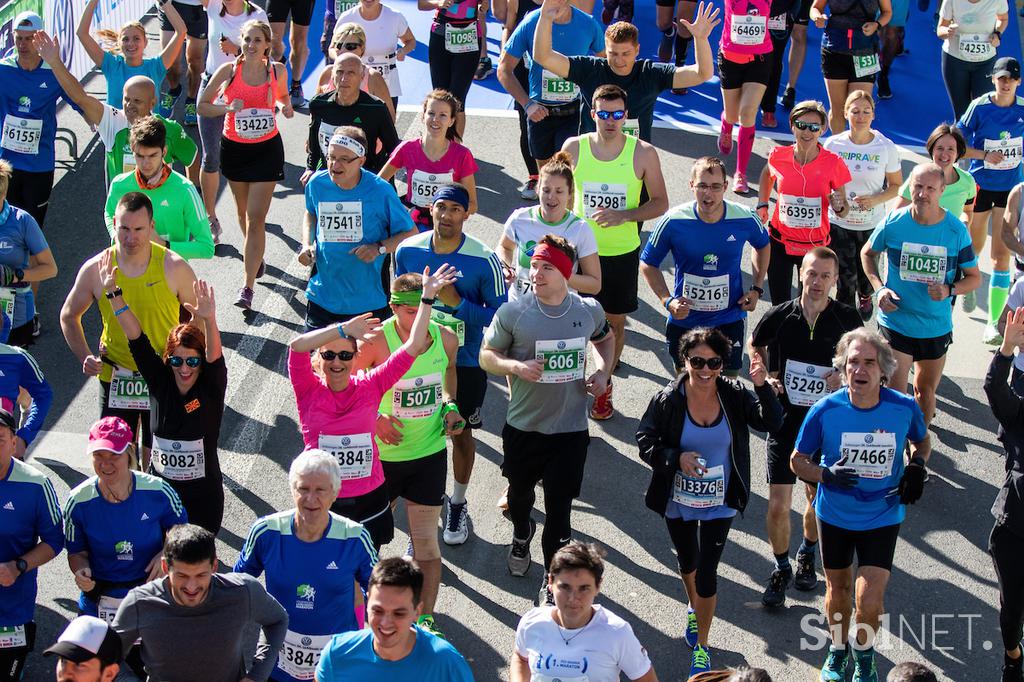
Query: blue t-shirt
x,y
122,538
29,514
874,441
28,112
350,656
916,253
117,72
987,126
20,370
313,581
480,281
20,237
581,36
344,219
714,443
711,254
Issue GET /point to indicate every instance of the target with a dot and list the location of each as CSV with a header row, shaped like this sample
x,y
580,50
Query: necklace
x,y
576,634
110,492
554,317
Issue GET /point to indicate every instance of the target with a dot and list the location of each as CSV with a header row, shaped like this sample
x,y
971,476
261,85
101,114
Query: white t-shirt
x,y
525,227
111,123
228,26
602,648
868,164
973,18
382,36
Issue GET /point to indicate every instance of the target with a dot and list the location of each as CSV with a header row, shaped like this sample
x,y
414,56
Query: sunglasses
x,y
614,115
700,363
804,125
343,355
351,47
178,361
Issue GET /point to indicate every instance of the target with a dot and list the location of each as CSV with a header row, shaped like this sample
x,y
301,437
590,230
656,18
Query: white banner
x,y
61,17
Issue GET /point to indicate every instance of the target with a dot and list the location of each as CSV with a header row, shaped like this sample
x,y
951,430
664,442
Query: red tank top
x,y
257,121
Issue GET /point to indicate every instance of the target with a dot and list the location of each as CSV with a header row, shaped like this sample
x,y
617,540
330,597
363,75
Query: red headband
x,y
554,256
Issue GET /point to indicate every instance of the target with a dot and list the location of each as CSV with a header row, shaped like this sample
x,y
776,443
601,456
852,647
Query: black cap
x,y
86,638
1006,66
7,419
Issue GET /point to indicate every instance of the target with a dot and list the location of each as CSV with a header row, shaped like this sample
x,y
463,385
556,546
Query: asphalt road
x,y
942,596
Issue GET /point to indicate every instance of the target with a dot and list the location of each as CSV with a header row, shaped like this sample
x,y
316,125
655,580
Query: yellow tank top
x,y
608,184
152,301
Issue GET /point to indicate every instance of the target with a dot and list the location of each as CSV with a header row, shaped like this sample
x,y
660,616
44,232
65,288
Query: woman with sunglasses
x,y
187,384
351,37
338,409
385,29
695,436
806,178
433,160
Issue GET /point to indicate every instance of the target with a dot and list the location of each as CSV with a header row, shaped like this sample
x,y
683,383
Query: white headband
x,y
354,146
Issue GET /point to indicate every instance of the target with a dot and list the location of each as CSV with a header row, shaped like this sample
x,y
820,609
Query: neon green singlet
x,y
608,184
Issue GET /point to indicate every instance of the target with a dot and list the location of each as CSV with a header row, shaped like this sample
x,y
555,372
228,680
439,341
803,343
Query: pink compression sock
x,y
744,148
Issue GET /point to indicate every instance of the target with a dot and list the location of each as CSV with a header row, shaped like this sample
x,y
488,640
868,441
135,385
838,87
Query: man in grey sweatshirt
x,y
193,622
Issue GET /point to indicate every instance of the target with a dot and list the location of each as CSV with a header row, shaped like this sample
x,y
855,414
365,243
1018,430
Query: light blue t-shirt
x,y
117,72
916,254
350,656
20,237
714,445
873,441
987,126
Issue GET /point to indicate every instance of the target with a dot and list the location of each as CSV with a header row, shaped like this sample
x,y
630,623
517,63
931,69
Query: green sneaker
x,y
701,661
426,622
691,628
864,666
834,669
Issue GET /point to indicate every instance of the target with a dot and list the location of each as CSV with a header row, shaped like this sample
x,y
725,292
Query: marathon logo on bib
x,y
252,124
128,391
461,40
22,135
1009,147
800,212
564,360
12,637
706,294
453,323
700,493
425,184
748,29
602,195
300,654
340,222
555,89
976,47
354,454
870,454
805,383
631,127
777,23
178,460
924,263
106,608
866,65
416,398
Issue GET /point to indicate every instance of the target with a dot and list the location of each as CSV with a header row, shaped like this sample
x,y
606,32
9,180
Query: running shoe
x,y
37,327
768,119
666,46
519,553
426,621
456,523
864,669
484,68
191,116
298,99
700,662
724,142
775,593
739,184
969,302
528,190
1012,669
884,91
244,300
806,579
834,669
789,98
215,230
991,335
865,306
608,10
691,629
603,408
544,596
167,102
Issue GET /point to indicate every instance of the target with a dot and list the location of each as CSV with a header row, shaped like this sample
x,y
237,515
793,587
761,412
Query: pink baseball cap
x,y
110,433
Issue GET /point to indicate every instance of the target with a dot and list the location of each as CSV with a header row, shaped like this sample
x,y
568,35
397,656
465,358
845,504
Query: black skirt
x,y
252,162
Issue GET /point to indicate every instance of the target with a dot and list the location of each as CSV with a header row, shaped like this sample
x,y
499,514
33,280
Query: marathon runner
x,y
87,651
540,341
971,33
863,487
301,14
353,219
930,261
352,38
193,13
392,648
511,13
155,283
19,374
208,614
946,146
675,35
557,642
783,23
797,340
609,198
313,560
412,421
384,28
706,238
695,436
178,212
454,49
31,534
1011,237
466,307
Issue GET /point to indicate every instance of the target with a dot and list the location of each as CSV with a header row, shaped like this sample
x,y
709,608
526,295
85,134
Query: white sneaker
x,y
456,523
969,302
991,335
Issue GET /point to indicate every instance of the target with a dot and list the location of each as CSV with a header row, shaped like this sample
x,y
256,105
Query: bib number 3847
x,y
300,654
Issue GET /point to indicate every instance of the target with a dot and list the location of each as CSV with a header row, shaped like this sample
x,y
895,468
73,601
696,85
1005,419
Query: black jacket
x,y
662,425
1009,410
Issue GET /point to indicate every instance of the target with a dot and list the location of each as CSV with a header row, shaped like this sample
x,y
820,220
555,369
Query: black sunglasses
x,y
698,362
178,361
351,47
616,115
804,125
343,355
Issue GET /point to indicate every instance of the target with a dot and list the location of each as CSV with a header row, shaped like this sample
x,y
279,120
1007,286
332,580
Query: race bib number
x,y
748,29
700,493
871,454
706,294
424,185
631,127
252,124
300,654
922,263
323,135
975,47
865,65
7,296
340,222
859,217
598,195
564,360
354,454
416,397
461,40
178,460
128,391
12,637
452,322
342,6
107,608
22,135
555,89
805,383
127,162
1010,148
800,212
777,23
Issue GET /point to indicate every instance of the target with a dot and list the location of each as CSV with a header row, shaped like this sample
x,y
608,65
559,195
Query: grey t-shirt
x,y
182,644
526,328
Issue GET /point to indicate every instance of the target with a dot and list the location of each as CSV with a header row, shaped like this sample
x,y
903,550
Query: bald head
x,y
139,97
923,170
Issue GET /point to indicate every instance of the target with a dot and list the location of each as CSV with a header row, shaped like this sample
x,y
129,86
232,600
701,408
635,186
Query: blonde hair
x,y
349,28
857,95
113,38
6,171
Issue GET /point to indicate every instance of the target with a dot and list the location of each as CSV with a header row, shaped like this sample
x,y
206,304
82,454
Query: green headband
x,y
406,297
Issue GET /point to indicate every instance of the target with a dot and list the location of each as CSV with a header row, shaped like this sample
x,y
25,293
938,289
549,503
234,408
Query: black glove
x,y
839,475
7,277
912,484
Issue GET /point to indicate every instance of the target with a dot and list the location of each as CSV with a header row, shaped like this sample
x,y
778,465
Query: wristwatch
x,y
381,249
114,294
21,565
759,290
19,275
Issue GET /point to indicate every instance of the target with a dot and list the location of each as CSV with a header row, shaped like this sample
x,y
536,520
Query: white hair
x,y
886,359
315,461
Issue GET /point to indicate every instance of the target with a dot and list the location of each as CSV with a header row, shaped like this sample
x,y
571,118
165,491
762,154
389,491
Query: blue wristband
x,y
341,332
118,312
668,302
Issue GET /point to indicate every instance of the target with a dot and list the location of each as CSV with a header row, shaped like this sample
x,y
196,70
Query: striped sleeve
x,y
50,521
248,560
